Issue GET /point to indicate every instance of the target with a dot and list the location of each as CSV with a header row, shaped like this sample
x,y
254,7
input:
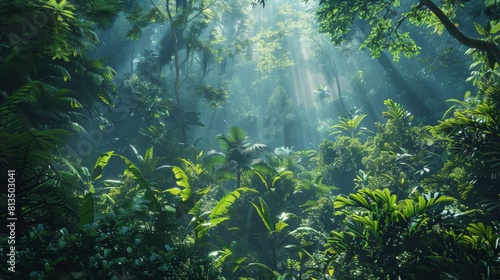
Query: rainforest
x,y
250,139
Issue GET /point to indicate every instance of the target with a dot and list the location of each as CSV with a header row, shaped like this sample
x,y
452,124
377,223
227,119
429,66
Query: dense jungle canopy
x,y
240,139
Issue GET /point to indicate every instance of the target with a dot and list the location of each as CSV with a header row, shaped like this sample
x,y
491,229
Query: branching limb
x,y
489,47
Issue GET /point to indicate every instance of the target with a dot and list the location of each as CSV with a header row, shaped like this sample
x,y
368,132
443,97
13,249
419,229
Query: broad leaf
x,y
217,215
87,210
101,162
264,214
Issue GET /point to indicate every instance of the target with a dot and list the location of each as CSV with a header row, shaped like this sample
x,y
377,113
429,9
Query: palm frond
x,y
237,135
396,112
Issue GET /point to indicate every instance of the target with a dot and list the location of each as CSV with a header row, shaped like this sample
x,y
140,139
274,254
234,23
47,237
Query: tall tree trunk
x,y
177,87
337,83
177,83
238,177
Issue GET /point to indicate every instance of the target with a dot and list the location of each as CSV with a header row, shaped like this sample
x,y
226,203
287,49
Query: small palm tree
x,y
237,152
321,94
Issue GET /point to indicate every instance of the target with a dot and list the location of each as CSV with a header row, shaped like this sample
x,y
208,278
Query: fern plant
x,y
47,189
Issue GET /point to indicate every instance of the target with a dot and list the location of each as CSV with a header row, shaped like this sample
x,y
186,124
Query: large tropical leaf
x,y
87,210
101,162
182,181
219,213
131,171
264,214
142,183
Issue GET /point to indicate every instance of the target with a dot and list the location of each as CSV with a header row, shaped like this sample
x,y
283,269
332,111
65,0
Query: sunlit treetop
x,y
381,22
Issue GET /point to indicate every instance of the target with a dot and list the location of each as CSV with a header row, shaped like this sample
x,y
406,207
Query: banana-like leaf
x,y
262,179
264,214
142,183
101,162
221,209
182,181
87,210
132,170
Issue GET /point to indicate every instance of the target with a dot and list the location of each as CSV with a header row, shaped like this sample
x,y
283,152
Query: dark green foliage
x,y
399,152
472,136
462,254
105,250
215,96
45,188
44,46
102,12
341,160
167,50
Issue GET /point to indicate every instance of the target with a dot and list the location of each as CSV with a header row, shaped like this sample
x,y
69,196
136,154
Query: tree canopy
x,y
382,24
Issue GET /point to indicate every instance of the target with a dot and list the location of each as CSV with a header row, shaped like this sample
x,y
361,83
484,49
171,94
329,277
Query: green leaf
x,y
444,198
479,29
342,201
101,162
182,181
106,252
222,207
355,230
421,203
280,226
142,183
305,229
174,191
87,210
484,232
495,28
263,179
264,214
360,200
148,156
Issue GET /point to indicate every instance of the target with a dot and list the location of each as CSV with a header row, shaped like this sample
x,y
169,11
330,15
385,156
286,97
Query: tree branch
x,y
489,47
